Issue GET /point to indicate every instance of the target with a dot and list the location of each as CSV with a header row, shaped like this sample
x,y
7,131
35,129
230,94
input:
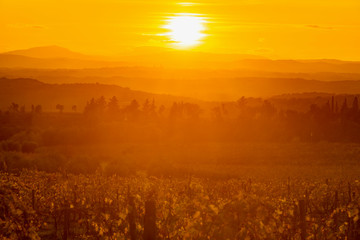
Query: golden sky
x,y
271,28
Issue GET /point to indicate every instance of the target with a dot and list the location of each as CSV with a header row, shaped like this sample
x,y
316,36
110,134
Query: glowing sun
x,y
186,30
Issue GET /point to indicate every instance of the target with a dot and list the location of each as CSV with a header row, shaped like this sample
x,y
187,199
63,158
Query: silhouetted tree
x,y
175,111
134,106
241,102
223,108
132,111
60,107
192,110
354,109
344,108
327,107
100,105
336,107
161,110
113,107
14,107
268,109
95,107
38,109
217,113
355,106
314,109
149,108
146,106
90,107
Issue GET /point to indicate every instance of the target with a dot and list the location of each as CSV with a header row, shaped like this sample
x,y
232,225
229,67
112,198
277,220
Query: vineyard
x,y
37,205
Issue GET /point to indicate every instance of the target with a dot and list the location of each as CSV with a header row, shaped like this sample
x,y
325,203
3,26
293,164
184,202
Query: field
x,y
232,191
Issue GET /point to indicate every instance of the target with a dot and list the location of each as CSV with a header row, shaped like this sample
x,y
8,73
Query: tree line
x,y
336,120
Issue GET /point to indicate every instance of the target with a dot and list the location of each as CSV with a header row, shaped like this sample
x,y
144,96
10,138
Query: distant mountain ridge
x,y
206,76
26,91
48,52
19,61
55,57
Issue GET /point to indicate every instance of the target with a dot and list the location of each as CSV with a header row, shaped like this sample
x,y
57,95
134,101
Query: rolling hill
x,y
25,91
206,76
54,57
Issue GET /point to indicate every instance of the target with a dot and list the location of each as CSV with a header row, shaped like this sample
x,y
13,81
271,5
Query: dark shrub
x,y
82,164
29,147
16,161
50,162
119,167
11,146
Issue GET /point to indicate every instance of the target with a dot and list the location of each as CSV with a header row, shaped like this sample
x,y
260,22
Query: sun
x,y
186,30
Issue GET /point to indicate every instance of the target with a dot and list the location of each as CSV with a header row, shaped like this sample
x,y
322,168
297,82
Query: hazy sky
x,y
273,28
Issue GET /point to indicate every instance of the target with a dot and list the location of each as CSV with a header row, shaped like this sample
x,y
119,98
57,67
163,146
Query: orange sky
x,y
272,28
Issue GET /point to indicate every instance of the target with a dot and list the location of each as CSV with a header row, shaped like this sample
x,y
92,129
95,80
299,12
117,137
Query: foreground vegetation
x,y
147,172
42,205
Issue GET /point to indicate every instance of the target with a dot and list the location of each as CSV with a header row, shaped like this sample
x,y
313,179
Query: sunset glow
x,y
186,30
272,29
168,119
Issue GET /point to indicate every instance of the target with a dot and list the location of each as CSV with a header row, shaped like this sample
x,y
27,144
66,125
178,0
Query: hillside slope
x,y
25,91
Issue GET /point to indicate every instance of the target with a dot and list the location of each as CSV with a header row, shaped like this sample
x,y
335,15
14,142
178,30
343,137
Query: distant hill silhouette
x,y
25,91
48,52
303,66
19,61
219,87
56,57
207,76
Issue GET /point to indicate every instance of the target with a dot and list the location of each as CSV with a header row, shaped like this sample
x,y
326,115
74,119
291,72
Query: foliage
x,y
29,147
35,204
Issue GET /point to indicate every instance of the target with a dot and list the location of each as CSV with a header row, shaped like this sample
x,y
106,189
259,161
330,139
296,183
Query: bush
x,y
119,167
82,164
14,161
29,147
11,146
50,162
